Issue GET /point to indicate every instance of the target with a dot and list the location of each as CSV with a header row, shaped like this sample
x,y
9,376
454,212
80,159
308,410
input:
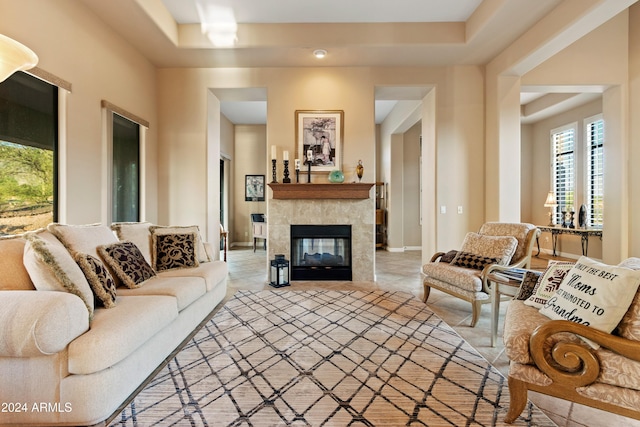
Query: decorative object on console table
x,y
571,217
551,203
582,217
319,134
279,272
297,166
254,188
564,219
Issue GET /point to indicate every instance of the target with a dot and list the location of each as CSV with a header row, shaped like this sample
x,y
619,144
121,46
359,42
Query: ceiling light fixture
x,y
14,57
319,53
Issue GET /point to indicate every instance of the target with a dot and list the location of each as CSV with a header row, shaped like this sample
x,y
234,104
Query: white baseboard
x,y
390,249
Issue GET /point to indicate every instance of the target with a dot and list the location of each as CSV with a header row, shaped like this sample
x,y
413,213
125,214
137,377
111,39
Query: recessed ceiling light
x,y
319,53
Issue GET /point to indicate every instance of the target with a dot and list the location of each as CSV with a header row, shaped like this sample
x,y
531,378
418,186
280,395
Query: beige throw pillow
x,y
594,294
499,247
52,268
136,232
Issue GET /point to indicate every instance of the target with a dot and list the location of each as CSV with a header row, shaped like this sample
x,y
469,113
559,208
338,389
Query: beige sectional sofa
x,y
67,360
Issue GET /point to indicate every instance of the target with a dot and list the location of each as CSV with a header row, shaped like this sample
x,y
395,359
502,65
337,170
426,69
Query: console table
x,y
555,231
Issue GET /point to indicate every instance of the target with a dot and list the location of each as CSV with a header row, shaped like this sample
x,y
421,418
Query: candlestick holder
x,y
286,179
308,171
297,176
273,172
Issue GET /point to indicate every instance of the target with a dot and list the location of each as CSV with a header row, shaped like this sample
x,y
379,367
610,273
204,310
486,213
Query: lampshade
x,y
14,57
551,200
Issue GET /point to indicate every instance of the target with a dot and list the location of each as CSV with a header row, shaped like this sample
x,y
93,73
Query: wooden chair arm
x,y
576,365
435,256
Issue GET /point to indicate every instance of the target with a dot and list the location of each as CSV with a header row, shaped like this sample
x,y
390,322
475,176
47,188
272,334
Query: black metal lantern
x,y
279,272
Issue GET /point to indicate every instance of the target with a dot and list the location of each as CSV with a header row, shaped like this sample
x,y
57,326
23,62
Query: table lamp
x,y
551,203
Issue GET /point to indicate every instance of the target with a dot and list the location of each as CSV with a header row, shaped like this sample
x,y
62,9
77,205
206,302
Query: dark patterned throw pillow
x,y
127,262
174,251
99,278
449,256
528,284
468,260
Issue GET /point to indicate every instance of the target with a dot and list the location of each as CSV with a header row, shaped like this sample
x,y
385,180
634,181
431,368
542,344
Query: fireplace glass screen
x,y
321,252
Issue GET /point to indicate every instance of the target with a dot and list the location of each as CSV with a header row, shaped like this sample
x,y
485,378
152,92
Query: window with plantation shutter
x,y
563,168
594,129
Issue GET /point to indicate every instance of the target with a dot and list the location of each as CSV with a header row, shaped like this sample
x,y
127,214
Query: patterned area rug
x,y
326,358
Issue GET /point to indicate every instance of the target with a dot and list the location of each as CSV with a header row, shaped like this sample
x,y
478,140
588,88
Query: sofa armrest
x,y
36,323
574,364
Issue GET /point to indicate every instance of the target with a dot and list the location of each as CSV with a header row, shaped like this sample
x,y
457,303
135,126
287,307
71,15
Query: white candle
x,y
285,155
309,155
297,164
273,152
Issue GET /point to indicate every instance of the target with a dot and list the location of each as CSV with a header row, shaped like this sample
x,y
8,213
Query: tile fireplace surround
x,y
309,206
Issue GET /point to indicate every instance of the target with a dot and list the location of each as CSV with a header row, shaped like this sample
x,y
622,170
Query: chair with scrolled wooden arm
x,y
547,356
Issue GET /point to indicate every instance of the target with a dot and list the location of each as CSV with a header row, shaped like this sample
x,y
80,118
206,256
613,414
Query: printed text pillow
x,y
594,294
548,283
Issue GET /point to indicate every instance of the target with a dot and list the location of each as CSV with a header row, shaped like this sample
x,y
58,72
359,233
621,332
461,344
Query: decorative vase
x,y
336,176
359,170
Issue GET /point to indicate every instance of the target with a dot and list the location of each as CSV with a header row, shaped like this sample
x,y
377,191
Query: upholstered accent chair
x,y
259,229
496,246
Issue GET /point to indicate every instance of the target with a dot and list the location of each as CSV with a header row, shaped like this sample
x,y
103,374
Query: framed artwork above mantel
x,y
319,137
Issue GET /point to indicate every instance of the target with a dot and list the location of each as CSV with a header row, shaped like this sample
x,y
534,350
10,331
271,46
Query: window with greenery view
x,y
125,191
28,144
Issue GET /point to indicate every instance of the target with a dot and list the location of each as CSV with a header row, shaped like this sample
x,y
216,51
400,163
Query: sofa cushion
x,y
618,370
136,232
120,330
465,278
83,238
176,250
629,326
594,294
500,247
99,279
52,268
548,283
214,273
14,275
201,252
184,289
126,260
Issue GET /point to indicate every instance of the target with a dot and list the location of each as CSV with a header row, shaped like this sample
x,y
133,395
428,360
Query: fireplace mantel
x,y
355,190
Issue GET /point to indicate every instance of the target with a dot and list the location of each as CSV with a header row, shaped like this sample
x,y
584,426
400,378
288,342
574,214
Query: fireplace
x,y
321,252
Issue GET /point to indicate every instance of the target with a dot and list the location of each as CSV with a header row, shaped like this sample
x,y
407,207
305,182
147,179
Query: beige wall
x,y
412,236
250,159
75,45
634,129
609,73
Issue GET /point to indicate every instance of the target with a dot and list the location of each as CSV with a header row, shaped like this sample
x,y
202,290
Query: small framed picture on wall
x,y
254,188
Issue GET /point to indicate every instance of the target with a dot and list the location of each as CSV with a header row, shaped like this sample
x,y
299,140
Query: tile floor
x,y
400,272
